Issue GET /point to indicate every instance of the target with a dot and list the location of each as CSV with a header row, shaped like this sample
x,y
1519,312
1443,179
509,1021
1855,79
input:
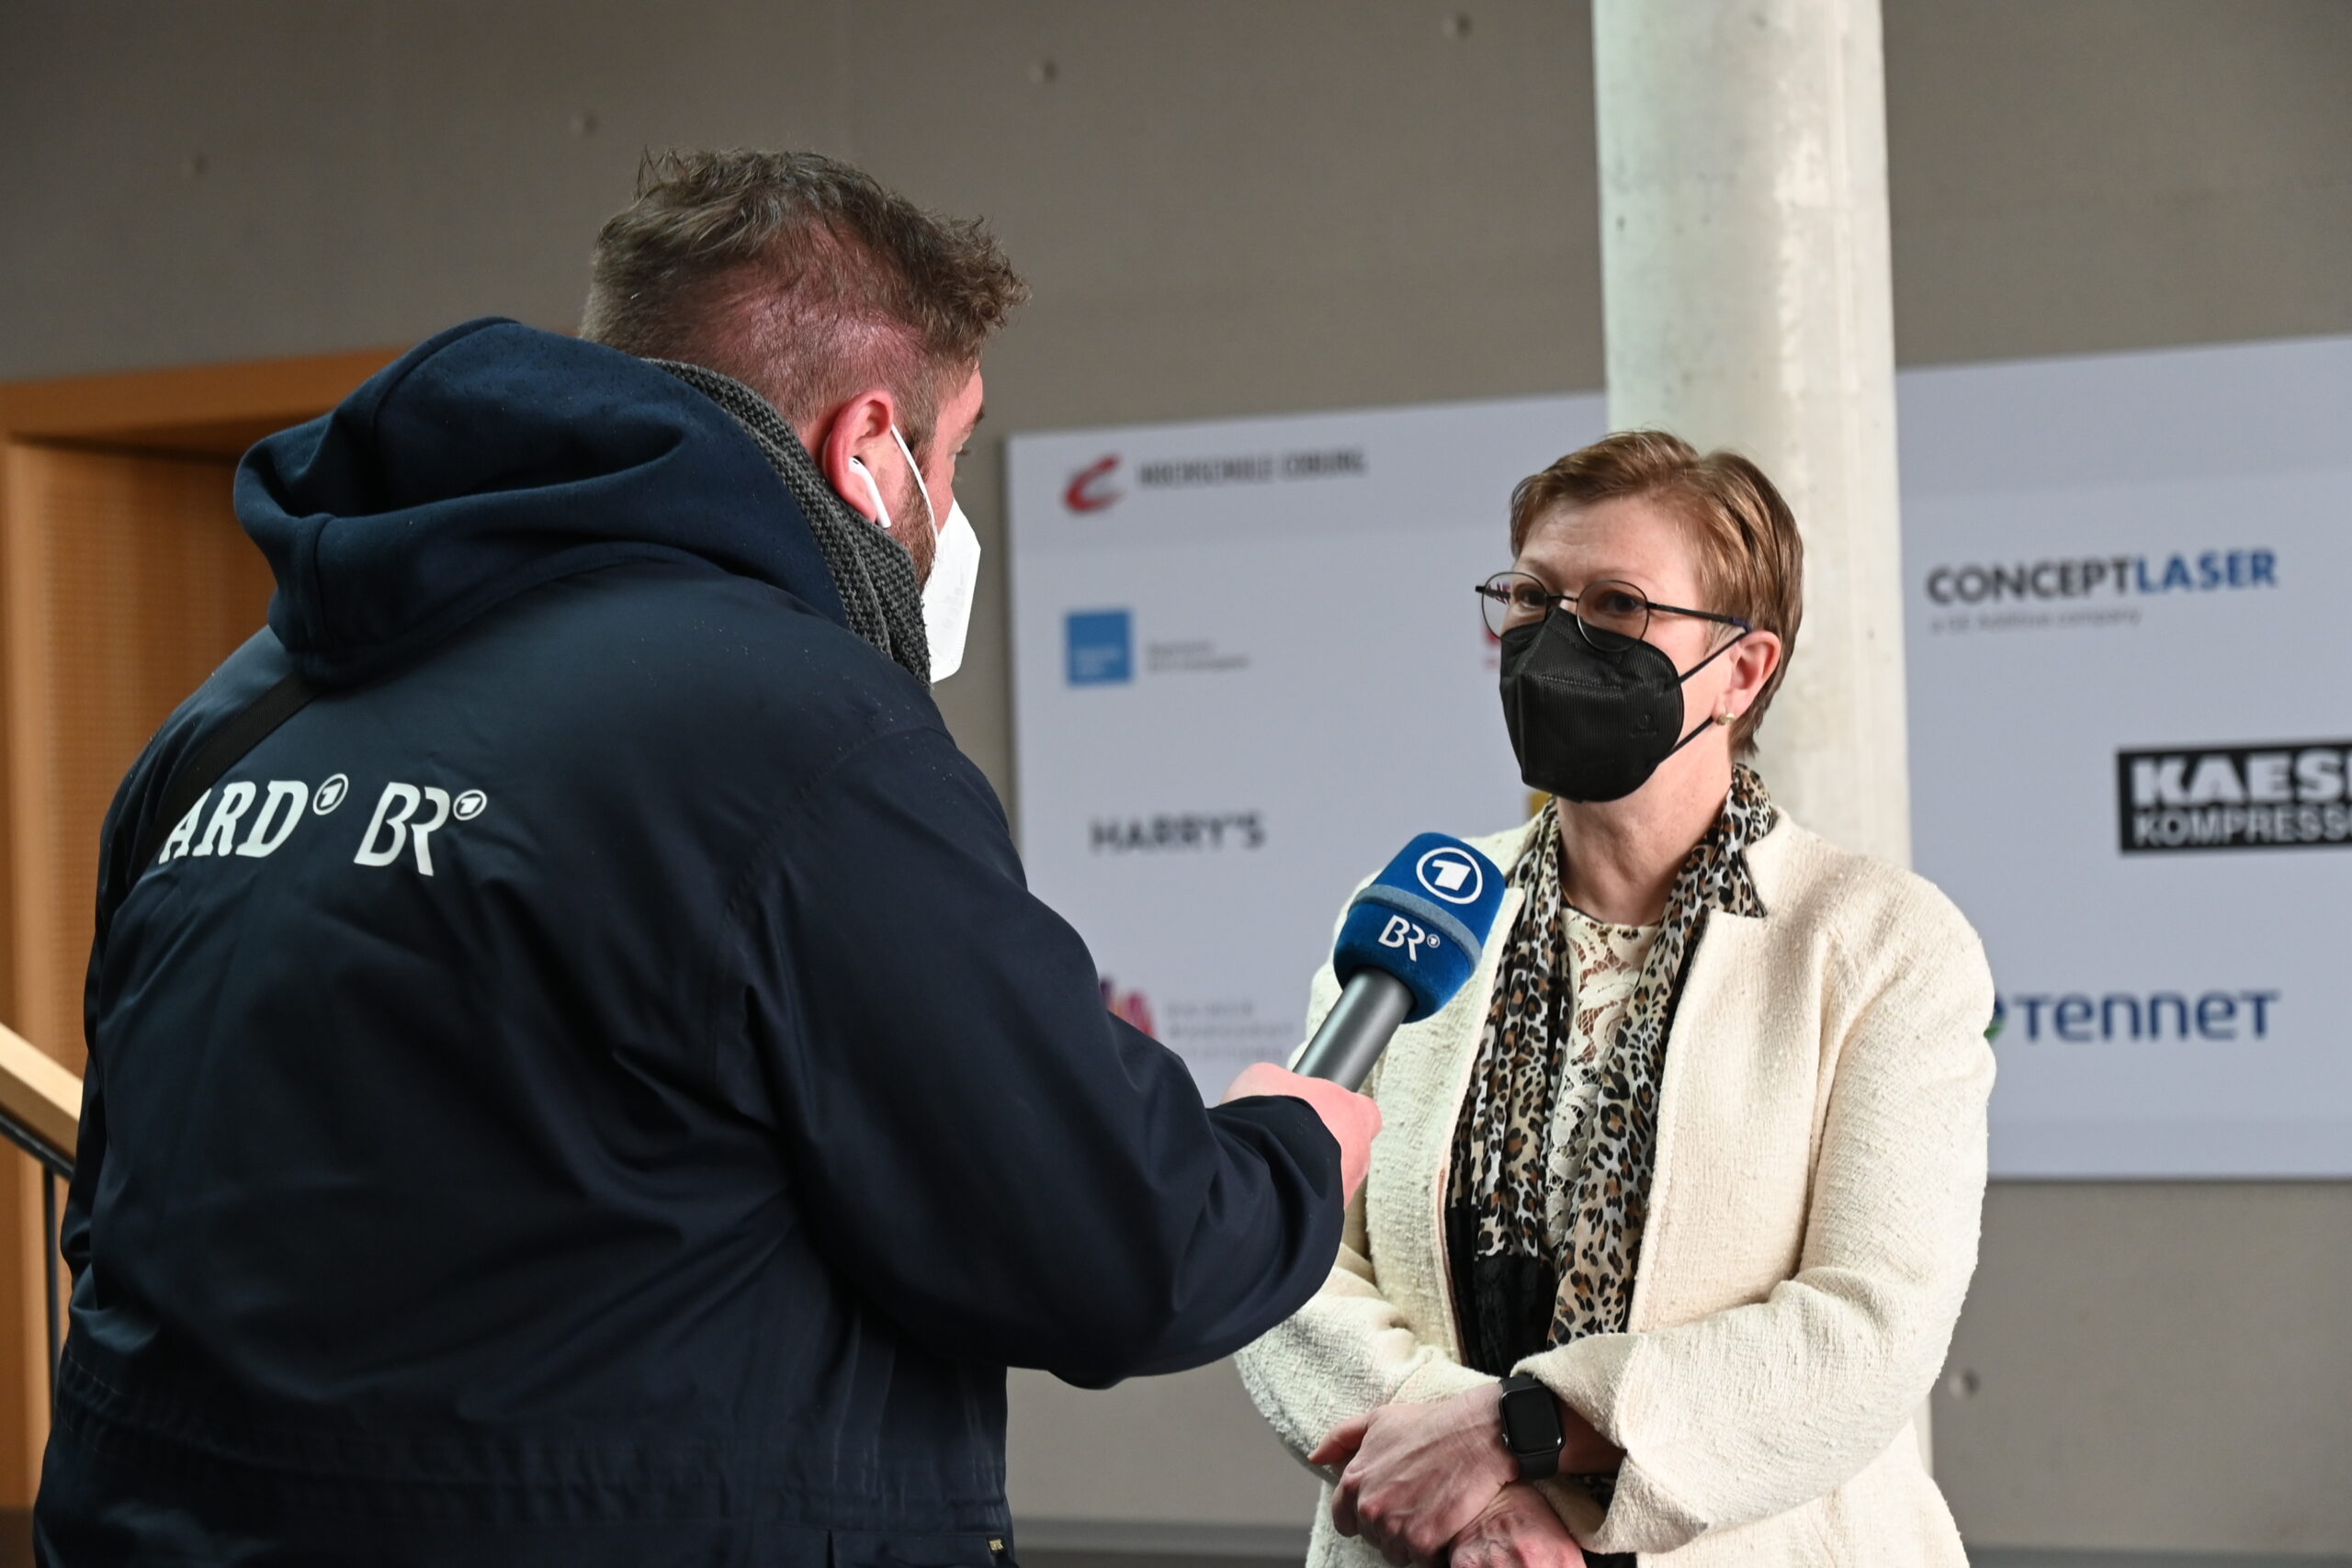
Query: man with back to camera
x,y
589,1086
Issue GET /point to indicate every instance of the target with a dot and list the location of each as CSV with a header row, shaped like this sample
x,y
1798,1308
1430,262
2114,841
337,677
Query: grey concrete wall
x,y
1230,208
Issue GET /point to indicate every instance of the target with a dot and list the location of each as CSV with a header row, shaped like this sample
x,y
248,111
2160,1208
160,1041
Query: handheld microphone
x,y
1411,939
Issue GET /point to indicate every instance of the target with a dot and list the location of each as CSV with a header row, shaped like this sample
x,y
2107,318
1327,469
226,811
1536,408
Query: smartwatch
x,y
1531,1428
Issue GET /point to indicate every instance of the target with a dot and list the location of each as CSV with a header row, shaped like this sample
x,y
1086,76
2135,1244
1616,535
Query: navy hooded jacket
x,y
594,1088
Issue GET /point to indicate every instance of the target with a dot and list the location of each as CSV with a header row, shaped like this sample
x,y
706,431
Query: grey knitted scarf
x,y
872,572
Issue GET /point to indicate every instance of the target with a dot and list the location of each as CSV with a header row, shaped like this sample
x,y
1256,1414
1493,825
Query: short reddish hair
x,y
1751,560
800,277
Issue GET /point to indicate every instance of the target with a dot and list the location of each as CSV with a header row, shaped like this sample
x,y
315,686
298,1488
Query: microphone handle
x,y
1357,1029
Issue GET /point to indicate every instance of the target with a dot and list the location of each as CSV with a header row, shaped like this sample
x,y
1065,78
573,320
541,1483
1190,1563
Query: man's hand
x,y
1418,1474
1351,1118
1519,1530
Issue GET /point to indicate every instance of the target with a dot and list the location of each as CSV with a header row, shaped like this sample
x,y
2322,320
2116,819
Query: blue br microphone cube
x,y
1423,919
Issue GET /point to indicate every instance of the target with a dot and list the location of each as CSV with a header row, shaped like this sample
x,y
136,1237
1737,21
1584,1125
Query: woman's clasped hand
x,y
1432,1484
1519,1530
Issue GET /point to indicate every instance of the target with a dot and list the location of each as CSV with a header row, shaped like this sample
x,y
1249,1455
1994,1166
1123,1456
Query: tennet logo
x,y
2281,796
2077,1018
1100,647
2113,577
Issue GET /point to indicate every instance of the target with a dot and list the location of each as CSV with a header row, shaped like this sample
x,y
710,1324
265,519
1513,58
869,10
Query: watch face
x,y
1531,1421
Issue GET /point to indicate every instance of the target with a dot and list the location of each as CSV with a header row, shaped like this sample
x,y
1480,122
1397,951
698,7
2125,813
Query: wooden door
x,y
124,579
135,585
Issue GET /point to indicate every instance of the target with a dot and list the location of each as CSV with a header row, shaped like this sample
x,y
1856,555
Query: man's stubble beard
x,y
912,525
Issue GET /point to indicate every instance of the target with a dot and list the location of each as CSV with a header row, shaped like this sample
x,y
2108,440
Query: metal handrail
x,y
41,1113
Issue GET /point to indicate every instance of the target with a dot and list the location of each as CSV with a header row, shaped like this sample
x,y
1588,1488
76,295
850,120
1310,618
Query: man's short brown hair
x,y
1751,560
801,277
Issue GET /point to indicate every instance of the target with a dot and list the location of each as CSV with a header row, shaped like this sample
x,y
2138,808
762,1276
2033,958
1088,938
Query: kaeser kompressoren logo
x,y
2284,795
1089,489
1451,874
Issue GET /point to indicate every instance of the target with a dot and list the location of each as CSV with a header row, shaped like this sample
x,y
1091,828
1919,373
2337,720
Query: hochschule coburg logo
x,y
1089,489
2281,794
1095,487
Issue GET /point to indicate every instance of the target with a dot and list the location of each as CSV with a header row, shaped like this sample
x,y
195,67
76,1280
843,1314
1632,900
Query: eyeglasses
x,y
1613,616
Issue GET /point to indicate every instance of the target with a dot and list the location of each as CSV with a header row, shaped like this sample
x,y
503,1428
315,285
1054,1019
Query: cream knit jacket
x,y
1813,1225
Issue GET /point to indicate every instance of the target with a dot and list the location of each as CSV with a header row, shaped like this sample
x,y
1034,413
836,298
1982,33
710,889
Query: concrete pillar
x,y
1744,267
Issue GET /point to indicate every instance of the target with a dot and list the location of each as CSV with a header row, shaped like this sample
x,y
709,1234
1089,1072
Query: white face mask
x,y
954,568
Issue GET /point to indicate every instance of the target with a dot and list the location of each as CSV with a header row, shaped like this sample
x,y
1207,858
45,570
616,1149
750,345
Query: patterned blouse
x,y
1552,1157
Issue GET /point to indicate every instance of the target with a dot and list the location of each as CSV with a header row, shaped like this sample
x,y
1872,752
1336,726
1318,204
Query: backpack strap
x,y
220,751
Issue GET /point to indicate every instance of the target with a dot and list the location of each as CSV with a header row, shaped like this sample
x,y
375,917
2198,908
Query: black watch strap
x,y
1531,1419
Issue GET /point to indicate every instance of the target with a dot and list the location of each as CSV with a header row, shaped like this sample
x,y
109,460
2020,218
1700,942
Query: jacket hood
x,y
490,460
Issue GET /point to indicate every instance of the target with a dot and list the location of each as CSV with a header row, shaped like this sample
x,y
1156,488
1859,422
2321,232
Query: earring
x,y
1725,717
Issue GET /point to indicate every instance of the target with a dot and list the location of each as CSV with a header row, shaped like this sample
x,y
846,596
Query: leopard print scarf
x,y
1535,1269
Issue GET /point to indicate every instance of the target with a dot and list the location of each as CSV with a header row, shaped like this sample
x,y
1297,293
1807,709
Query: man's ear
x,y
858,432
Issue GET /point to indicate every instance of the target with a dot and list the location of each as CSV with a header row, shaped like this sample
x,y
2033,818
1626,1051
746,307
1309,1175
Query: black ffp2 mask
x,y
1589,723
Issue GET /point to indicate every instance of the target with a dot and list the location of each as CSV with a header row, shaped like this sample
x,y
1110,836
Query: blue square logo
x,y
1102,648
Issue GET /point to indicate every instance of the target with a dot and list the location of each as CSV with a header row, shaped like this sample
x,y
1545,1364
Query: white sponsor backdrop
x,y
1247,665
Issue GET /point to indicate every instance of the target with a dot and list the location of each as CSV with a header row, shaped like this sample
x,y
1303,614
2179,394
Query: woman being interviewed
x,y
1663,1244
